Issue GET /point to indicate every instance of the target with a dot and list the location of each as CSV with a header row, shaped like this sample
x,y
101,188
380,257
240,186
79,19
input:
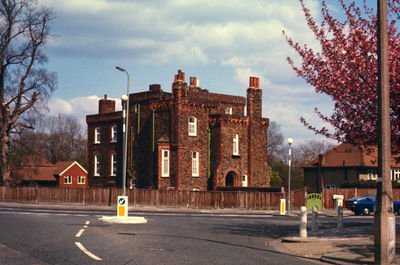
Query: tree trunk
x,y
4,146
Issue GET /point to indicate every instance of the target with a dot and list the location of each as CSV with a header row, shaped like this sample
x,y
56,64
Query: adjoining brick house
x,y
38,171
70,174
346,162
189,139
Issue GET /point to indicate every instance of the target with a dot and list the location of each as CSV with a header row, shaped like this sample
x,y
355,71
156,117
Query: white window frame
x,y
81,179
195,164
192,126
228,110
96,165
372,174
97,135
113,164
165,163
114,134
395,174
235,150
68,180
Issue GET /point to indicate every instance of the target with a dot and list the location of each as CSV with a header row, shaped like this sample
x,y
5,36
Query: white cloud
x,y
244,37
78,107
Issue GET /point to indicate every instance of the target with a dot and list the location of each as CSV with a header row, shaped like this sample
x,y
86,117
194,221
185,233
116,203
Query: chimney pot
x,y
105,96
191,80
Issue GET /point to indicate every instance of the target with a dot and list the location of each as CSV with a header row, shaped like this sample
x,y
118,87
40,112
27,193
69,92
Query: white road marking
x,y
79,245
80,233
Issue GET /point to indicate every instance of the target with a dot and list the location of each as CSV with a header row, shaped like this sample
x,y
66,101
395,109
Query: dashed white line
x,y
80,233
90,254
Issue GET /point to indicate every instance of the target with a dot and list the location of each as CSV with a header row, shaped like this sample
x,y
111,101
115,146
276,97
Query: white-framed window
x,y
195,164
67,179
81,179
244,181
164,163
96,165
114,133
372,174
228,110
113,164
395,173
97,135
192,126
236,144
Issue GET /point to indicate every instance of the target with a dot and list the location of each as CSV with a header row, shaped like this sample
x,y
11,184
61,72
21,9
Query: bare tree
x,y
275,142
309,151
24,29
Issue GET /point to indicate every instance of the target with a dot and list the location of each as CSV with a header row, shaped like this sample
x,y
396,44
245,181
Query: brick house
x,y
38,171
346,162
70,174
189,139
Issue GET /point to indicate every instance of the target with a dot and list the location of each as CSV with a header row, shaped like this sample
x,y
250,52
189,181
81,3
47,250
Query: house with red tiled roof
x,y
38,171
346,162
70,174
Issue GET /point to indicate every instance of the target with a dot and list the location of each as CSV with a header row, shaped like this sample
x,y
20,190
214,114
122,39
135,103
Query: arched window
x,y
192,126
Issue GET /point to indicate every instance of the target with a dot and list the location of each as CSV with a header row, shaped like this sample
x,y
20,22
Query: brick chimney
x,y
179,87
106,105
254,98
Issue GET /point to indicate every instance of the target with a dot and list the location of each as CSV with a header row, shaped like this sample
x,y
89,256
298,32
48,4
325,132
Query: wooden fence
x,y
172,198
351,193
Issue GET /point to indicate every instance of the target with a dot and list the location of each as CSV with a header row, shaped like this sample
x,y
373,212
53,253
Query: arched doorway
x,y
231,179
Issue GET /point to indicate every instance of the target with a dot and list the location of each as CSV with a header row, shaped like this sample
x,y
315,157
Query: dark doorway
x,y
230,179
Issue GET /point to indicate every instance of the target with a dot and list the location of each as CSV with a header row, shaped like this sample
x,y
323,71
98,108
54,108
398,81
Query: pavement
x,y
351,245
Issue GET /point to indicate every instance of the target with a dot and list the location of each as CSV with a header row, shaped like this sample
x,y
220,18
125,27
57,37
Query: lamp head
x,y
120,69
290,141
124,98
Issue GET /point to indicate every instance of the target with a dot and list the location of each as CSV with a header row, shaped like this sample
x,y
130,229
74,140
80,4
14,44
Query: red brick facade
x,y
71,175
204,138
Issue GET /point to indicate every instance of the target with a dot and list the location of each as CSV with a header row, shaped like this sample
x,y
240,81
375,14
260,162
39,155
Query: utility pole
x,y
384,219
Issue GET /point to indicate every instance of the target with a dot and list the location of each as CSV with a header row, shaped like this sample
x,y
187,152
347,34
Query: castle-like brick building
x,y
189,139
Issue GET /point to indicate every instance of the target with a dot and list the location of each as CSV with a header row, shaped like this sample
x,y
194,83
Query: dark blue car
x,y
366,205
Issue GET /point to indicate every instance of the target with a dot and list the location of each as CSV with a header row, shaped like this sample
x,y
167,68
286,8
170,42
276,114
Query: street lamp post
x,y
125,131
290,141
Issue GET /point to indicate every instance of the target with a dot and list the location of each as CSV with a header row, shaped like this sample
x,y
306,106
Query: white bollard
x,y
303,222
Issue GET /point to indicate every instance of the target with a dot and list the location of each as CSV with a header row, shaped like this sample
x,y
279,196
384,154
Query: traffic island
x,y
123,220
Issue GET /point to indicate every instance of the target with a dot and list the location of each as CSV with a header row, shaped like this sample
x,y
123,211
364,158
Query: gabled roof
x,y
36,168
352,155
40,169
63,166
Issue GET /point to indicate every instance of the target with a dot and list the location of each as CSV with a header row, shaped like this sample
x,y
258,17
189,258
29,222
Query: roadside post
x,y
314,227
338,202
340,219
282,209
122,209
303,222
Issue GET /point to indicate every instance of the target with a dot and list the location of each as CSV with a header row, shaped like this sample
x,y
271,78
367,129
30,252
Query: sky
x,y
221,42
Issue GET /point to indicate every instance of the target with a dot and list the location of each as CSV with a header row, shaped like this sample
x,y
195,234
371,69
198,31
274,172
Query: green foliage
x,y
365,184
276,180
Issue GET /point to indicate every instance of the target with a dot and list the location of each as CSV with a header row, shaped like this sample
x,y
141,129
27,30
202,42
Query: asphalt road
x,y
35,236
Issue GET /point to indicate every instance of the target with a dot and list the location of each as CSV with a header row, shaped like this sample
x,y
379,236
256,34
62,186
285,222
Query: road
x,y
39,236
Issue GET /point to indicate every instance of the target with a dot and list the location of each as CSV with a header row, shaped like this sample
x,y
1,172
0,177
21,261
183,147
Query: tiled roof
x,y
350,155
40,169
61,166
35,173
